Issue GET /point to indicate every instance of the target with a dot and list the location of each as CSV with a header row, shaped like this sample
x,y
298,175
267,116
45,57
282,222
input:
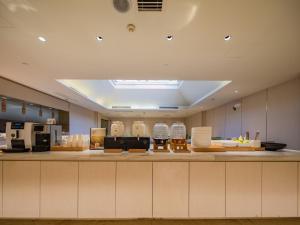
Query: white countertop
x,y
99,155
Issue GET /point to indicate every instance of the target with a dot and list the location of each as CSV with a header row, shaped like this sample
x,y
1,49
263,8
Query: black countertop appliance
x,y
126,143
273,146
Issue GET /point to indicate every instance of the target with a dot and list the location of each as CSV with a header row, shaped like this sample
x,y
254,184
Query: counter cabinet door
x,y
59,189
134,190
279,189
96,198
207,189
299,189
170,189
243,189
1,182
21,189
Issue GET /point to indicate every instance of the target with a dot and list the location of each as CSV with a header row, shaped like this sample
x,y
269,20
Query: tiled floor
x,y
154,222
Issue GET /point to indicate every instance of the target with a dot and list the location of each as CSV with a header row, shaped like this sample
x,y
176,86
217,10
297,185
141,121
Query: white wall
x,y
81,119
274,112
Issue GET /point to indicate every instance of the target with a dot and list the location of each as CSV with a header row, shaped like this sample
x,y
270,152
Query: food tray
x,y
62,148
216,148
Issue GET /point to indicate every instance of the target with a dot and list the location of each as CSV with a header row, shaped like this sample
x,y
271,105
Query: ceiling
x,y
264,49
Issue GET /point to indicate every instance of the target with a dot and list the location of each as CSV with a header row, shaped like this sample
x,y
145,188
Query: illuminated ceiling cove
x,y
145,94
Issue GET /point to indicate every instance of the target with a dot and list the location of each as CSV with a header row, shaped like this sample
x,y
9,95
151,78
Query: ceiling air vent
x,y
120,107
168,107
150,5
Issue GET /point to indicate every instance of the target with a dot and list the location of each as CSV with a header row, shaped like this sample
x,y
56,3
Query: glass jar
x,y
160,131
178,131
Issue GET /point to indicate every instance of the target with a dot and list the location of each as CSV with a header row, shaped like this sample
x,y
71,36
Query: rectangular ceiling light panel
x,y
146,84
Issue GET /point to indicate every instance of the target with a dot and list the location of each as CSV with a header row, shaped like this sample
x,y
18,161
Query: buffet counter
x,y
95,185
99,155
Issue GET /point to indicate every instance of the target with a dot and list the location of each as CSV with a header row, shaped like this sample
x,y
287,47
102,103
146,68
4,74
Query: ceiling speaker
x,y
122,6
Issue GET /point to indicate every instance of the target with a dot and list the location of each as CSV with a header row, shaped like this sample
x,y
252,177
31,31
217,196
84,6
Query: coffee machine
x,y
18,136
45,136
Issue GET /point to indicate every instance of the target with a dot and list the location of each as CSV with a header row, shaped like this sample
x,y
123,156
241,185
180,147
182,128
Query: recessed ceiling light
x,y
42,39
236,91
227,37
99,38
169,37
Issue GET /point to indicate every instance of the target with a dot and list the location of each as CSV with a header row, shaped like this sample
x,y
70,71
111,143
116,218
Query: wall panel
x,y
233,124
284,114
193,121
219,122
254,114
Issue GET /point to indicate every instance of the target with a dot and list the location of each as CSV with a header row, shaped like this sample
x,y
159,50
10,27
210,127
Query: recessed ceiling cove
x,y
145,94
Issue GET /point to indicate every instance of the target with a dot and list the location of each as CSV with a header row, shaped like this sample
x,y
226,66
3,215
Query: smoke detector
x,y
122,6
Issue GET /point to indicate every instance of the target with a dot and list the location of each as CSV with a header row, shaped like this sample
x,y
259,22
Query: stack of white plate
x,y
138,129
117,129
178,131
160,131
201,137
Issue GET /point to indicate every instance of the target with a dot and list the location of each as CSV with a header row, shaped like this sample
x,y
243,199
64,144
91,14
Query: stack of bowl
x,y
201,137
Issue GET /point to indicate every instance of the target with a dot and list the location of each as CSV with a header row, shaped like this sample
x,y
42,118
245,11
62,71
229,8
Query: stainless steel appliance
x,y
18,136
45,136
